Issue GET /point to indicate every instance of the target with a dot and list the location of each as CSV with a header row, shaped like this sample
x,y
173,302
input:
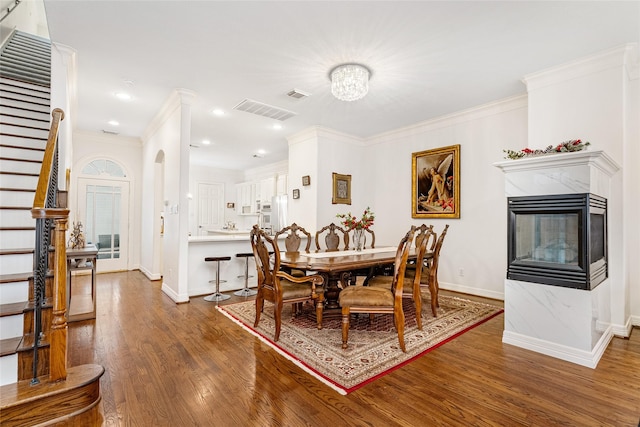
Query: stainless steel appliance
x,y
278,214
265,218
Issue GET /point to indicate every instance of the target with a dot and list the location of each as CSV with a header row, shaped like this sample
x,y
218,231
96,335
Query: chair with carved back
x,y
279,287
423,239
334,235
292,242
379,300
429,274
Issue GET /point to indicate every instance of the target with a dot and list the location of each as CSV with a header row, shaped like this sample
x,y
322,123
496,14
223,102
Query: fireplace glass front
x,y
558,240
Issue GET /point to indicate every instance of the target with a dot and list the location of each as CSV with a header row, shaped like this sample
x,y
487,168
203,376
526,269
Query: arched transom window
x,y
103,167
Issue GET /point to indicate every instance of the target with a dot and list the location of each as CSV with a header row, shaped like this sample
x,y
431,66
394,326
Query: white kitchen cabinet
x,y
267,189
281,185
246,198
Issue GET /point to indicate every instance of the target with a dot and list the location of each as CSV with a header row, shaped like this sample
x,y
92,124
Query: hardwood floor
x,y
188,365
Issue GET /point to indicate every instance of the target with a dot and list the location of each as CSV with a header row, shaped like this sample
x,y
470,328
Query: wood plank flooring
x,y
188,365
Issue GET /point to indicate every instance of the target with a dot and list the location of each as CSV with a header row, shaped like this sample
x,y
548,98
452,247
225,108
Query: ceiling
x,y
427,59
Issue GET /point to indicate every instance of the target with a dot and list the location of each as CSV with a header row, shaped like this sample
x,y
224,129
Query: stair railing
x,y
50,217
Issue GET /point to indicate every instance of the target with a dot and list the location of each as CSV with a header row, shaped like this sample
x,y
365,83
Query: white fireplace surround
x,y
569,324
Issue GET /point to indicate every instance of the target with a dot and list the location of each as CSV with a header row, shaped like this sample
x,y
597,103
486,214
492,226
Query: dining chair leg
x,y
399,321
259,307
319,307
417,301
345,326
277,317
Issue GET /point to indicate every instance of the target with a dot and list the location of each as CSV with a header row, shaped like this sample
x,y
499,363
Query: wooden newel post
x,y
58,336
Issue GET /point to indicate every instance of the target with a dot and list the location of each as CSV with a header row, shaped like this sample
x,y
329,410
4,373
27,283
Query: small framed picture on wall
x,y
306,180
296,193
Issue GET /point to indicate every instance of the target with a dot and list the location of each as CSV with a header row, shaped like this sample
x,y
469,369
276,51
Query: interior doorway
x,y
210,207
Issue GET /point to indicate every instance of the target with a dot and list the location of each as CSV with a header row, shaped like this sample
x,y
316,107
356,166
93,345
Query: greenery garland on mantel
x,y
563,147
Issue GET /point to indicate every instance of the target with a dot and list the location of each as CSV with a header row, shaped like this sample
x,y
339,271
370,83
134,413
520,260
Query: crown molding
x,y
177,98
619,56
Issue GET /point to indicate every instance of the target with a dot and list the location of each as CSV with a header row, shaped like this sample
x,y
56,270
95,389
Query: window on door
x,y
103,209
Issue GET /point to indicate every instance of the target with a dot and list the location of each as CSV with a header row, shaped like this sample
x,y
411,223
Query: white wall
x,y
475,243
169,134
29,17
89,146
591,99
319,152
303,160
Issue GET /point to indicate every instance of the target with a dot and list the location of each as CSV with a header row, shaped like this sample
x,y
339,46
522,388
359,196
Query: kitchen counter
x,y
227,232
229,244
219,238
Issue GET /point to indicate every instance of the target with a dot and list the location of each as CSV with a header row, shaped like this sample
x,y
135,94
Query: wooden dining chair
x,y
292,242
423,237
432,267
334,234
374,300
279,287
429,274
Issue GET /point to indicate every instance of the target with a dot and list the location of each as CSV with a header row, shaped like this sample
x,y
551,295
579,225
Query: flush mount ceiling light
x,y
350,82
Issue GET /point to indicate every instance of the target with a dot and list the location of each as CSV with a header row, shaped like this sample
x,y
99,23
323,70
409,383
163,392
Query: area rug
x,y
373,345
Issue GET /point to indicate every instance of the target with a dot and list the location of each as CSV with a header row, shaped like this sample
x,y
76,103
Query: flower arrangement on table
x,y
563,147
352,223
358,226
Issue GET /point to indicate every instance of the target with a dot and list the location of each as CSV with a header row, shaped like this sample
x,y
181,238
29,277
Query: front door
x,y
103,209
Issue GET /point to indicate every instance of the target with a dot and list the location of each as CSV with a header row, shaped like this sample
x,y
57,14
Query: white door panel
x,y
210,207
103,209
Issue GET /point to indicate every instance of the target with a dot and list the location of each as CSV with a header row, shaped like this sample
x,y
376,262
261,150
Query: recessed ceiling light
x,y
114,123
277,126
123,96
206,142
262,152
218,112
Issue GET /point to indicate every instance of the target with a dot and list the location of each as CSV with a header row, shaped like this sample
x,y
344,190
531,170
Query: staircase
x,y
24,127
35,386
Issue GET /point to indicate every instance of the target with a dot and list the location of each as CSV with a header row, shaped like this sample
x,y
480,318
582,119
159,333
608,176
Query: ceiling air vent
x,y
297,94
260,109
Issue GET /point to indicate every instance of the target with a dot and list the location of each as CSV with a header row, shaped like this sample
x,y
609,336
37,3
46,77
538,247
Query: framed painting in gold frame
x,y
341,189
435,183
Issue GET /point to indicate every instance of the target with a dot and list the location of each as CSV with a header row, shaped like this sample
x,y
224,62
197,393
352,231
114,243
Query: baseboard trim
x,y
472,291
589,359
151,276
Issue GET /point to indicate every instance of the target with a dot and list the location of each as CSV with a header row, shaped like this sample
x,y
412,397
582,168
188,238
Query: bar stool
x,y
245,292
217,296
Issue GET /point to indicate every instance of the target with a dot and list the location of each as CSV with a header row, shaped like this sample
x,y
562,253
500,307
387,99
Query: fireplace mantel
x,y
563,173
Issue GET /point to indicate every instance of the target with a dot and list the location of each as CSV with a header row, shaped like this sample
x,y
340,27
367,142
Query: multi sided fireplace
x,y
558,240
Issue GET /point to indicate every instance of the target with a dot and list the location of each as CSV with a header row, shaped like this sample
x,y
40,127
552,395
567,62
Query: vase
x,y
358,239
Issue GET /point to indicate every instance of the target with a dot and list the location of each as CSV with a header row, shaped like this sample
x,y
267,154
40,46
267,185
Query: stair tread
x,y
16,277
50,401
12,309
25,190
16,251
9,346
26,343
17,228
17,159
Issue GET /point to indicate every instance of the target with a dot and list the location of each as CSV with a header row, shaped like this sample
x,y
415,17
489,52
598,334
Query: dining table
x,y
337,266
